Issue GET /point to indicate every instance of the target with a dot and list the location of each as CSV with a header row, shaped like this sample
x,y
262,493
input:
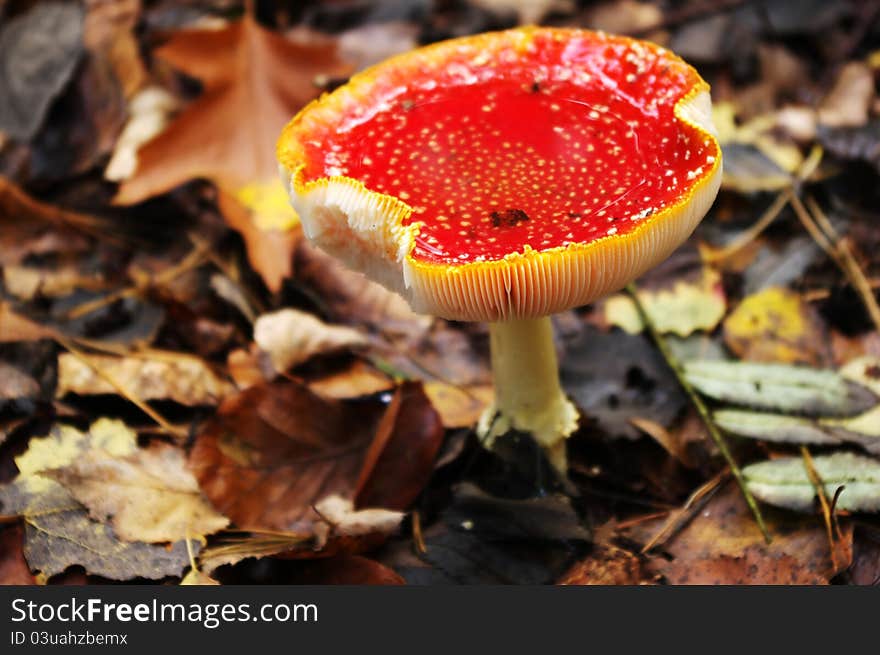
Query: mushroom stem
x,y
528,396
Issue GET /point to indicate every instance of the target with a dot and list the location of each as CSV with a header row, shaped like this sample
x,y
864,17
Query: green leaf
x,y
796,389
863,429
785,483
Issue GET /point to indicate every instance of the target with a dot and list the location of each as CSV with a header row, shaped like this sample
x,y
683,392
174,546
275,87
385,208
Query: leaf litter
x,y
188,385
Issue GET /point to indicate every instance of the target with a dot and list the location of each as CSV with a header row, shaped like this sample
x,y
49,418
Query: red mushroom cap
x,y
507,175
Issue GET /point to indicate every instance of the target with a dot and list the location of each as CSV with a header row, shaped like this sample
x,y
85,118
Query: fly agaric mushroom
x,y
504,177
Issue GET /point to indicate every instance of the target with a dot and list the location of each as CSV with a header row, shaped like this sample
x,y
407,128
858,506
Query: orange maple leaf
x,y
254,82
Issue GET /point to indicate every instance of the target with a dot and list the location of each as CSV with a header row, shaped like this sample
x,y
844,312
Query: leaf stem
x,y
702,410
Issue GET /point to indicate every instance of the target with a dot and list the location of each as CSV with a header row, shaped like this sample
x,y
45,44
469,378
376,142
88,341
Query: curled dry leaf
x,y
148,495
276,450
182,378
254,81
290,337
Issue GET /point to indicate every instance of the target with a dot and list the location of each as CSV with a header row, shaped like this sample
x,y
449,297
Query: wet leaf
x,y
275,451
784,482
776,325
182,378
799,389
290,337
40,50
254,82
148,495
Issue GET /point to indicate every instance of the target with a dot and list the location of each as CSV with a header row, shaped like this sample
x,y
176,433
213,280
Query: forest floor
x,y
190,392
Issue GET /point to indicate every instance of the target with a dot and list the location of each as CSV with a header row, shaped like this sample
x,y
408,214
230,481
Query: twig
x,y
680,518
839,250
827,509
124,391
702,410
748,235
418,537
194,259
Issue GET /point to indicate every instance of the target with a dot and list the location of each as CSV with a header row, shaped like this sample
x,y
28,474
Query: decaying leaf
x,y
148,495
254,81
682,307
616,377
182,378
849,101
57,540
40,50
604,566
797,389
785,482
58,530
14,569
776,325
290,337
149,112
277,450
722,545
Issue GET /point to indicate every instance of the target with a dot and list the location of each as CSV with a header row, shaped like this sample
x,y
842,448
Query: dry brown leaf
x,y
351,297
254,82
604,566
14,569
459,407
148,496
184,379
15,327
358,379
290,337
108,33
275,451
723,545
849,101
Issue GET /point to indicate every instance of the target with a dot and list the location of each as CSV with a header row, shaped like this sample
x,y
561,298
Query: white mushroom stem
x,y
528,396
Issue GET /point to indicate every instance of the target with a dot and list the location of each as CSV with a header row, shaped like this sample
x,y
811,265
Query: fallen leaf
x,y
850,99
604,566
58,540
777,325
15,327
254,82
722,545
182,378
346,570
528,12
14,568
800,389
109,34
784,482
351,297
40,50
681,305
16,384
290,337
859,143
276,450
148,495
459,407
196,577
148,114
58,530
356,380
624,17
615,377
